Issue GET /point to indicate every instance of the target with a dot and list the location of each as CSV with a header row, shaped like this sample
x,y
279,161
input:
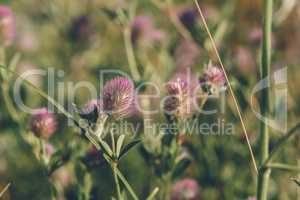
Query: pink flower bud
x,y
43,123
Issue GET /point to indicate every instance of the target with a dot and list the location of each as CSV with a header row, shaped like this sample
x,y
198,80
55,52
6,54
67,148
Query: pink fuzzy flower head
x,y
118,97
213,79
7,26
180,96
187,189
251,198
43,123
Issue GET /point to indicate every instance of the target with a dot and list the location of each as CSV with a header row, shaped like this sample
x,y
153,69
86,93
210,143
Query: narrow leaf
x,y
119,144
181,167
128,147
106,149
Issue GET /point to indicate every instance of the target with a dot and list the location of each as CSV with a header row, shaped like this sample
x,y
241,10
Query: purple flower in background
x,y
255,36
186,54
43,123
142,28
244,59
251,198
7,26
118,97
80,29
180,95
213,79
188,17
186,189
27,42
93,157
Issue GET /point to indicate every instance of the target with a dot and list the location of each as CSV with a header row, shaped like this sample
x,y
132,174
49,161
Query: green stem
x,y
117,182
130,54
7,100
43,152
282,166
264,173
127,185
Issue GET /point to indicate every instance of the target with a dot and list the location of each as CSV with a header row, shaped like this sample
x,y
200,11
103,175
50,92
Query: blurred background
x,y
82,37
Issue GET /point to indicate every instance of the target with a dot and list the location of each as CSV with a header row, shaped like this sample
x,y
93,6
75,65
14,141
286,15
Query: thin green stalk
x,y
153,194
130,54
127,185
264,172
8,103
282,166
42,152
117,182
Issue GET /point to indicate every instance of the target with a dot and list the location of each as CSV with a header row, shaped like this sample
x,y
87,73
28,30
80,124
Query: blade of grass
x,y
153,194
4,190
264,173
229,86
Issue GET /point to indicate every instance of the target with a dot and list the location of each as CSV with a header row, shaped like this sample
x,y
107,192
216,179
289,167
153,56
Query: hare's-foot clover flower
x,y
180,100
7,26
118,97
43,123
185,189
213,80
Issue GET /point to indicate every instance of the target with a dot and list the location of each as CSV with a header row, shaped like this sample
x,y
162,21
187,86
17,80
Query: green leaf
x,y
105,148
297,182
128,147
153,194
181,167
119,144
55,161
